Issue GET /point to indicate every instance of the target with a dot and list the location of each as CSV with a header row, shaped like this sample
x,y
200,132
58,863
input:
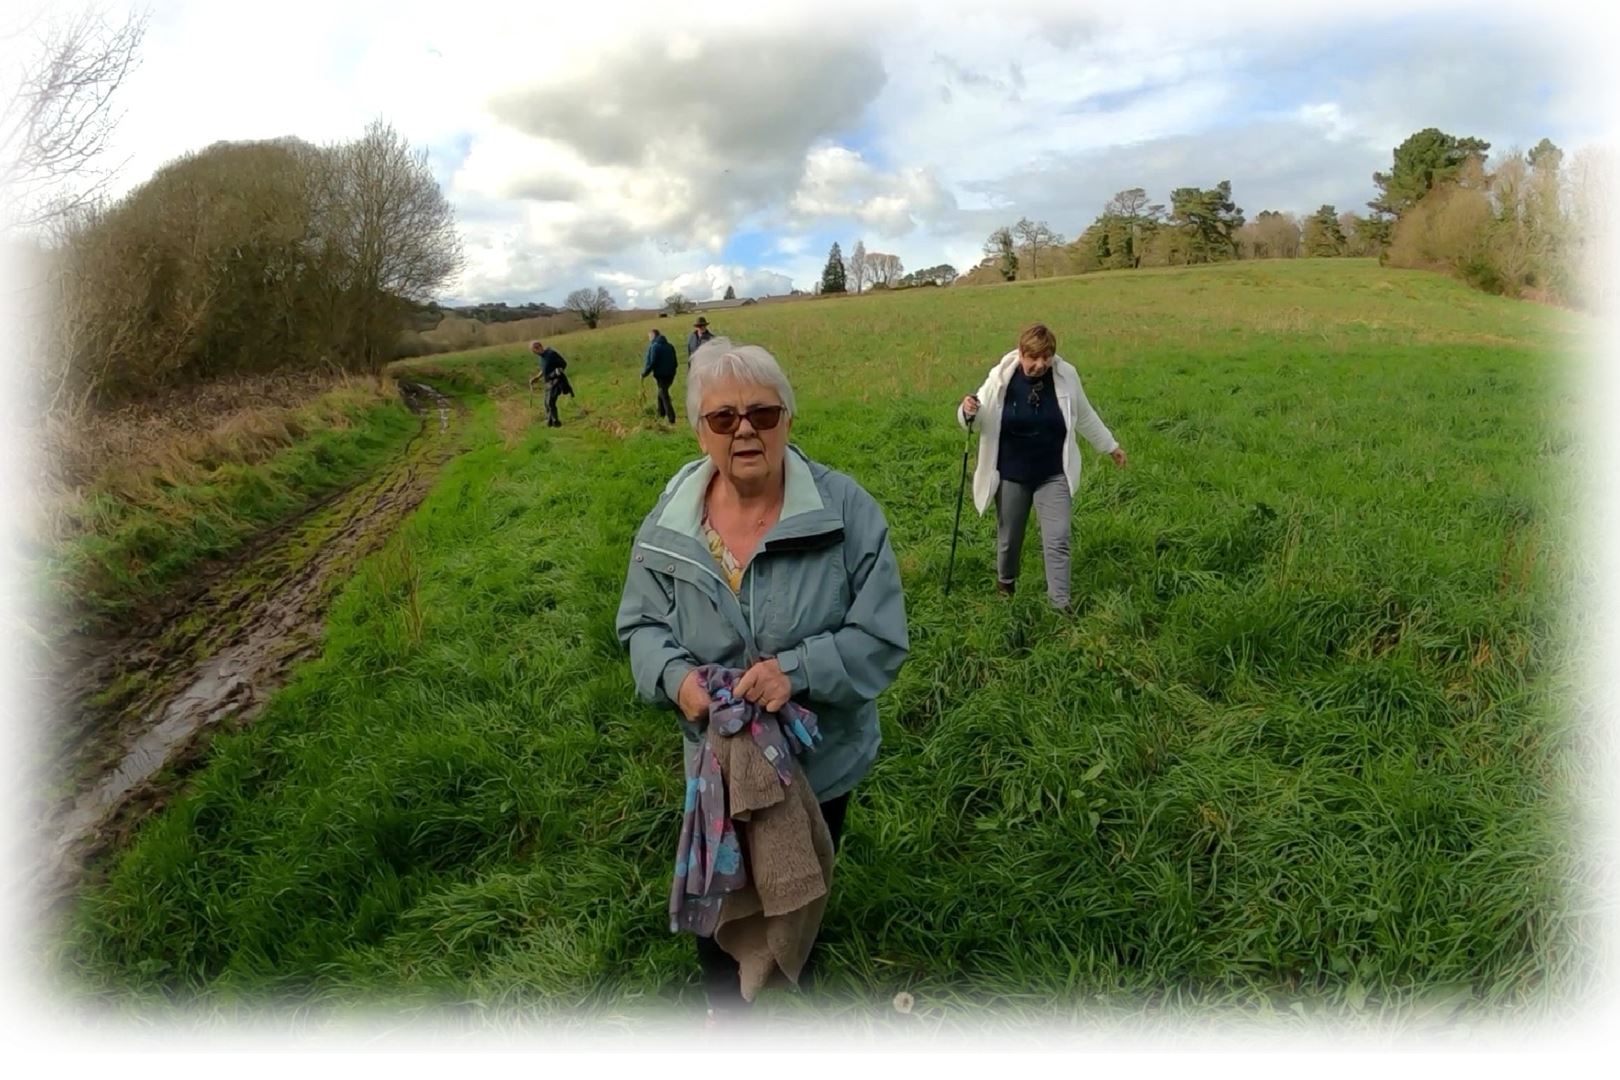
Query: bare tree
x,y
58,117
394,231
1036,235
884,269
1355,234
1271,235
677,303
590,306
1130,203
856,267
1514,233
1591,178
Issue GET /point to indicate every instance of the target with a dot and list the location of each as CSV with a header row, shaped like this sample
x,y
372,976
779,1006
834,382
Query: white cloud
x,y
838,182
1328,117
711,282
791,244
622,279
682,148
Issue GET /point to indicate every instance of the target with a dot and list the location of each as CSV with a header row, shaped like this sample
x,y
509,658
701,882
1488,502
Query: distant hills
x,y
427,316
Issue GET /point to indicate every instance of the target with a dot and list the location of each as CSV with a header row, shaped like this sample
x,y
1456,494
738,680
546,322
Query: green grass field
x,y
1304,750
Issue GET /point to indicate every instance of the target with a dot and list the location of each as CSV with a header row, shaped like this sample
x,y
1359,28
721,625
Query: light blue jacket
x,y
822,595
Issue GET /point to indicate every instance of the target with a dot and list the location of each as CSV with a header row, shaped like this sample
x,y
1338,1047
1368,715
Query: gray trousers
x,y
1054,508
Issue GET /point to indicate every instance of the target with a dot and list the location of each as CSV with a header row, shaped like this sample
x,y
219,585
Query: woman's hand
x,y
1118,454
970,406
692,699
765,685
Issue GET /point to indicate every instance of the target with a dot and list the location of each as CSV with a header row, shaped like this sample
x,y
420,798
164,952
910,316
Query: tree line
x,y
1520,229
861,270
496,312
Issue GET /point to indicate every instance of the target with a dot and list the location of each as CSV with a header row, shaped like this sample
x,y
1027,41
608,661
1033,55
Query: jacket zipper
x,y
748,620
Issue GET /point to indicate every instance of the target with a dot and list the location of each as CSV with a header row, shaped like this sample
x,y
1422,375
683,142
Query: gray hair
x,y
718,360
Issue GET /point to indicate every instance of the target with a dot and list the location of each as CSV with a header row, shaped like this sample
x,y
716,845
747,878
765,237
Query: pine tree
x,y
731,293
1323,235
1207,221
832,276
1426,158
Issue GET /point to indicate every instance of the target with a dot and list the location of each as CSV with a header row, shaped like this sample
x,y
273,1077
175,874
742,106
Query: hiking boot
x,y
1005,588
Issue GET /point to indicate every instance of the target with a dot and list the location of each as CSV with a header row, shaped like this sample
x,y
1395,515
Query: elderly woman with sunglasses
x,y
1032,405
761,560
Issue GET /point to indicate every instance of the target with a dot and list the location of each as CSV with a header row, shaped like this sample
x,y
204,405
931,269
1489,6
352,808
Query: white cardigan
x,y
1078,415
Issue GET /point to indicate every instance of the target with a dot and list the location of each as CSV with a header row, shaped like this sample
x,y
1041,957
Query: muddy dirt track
x,y
133,711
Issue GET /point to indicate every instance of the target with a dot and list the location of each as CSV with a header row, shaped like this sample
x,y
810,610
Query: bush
x,y
1478,272
1445,230
244,258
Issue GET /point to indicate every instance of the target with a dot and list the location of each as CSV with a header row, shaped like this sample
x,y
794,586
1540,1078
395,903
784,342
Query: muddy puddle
x,y
132,711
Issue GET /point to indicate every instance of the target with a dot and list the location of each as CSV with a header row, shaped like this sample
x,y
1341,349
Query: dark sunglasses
x,y
762,417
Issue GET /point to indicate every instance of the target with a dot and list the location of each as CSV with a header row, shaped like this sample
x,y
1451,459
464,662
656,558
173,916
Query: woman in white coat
x,y
1030,408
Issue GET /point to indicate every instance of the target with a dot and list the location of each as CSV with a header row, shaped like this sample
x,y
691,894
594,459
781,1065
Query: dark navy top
x,y
1032,434
551,362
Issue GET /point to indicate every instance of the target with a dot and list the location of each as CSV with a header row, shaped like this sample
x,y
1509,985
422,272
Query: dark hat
x,y
701,321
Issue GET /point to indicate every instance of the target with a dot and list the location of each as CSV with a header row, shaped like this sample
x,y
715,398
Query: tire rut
x,y
137,709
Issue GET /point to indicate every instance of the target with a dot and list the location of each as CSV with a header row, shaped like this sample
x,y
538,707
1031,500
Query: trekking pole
x,y
960,488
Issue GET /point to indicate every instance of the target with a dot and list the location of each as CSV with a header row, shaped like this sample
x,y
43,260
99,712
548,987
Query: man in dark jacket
x,y
661,365
551,372
700,334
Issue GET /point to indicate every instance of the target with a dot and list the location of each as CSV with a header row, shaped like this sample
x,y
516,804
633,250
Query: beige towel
x,y
770,925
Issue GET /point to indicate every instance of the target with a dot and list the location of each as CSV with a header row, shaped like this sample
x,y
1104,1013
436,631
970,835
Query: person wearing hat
x,y
700,334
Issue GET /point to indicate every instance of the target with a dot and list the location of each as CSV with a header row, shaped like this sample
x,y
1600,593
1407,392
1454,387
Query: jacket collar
x,y
804,511
1063,374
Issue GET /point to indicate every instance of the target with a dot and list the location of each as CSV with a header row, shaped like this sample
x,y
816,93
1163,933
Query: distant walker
x,y
551,371
700,334
661,365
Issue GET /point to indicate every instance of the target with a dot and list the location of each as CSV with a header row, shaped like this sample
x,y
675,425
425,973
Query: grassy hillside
x,y
1302,750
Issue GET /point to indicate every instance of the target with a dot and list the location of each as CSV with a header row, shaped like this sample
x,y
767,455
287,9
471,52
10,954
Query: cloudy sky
x,y
662,148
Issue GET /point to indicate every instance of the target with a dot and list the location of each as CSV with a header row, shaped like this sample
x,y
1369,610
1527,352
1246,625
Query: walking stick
x,y
960,488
